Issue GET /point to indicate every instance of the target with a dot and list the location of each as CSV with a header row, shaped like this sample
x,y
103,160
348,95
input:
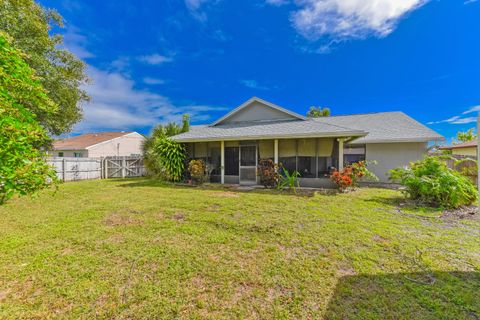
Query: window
x,y
353,153
60,154
287,151
324,166
77,154
306,167
306,158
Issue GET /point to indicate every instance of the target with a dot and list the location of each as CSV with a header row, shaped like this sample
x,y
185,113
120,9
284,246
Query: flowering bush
x,y
268,173
196,168
350,175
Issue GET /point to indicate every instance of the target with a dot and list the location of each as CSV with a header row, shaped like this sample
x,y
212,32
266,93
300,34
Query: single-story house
x,y
103,144
232,145
468,148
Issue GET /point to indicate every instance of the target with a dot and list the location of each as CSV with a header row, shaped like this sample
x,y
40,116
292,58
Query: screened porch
x,y
313,158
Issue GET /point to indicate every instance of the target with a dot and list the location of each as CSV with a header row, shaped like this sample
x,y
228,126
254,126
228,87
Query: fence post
x,y
124,167
63,170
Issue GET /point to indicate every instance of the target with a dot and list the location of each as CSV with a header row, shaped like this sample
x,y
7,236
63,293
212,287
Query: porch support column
x,y
222,161
340,153
275,151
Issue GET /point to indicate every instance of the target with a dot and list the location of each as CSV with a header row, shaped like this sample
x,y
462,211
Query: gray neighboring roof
x,y
385,127
266,130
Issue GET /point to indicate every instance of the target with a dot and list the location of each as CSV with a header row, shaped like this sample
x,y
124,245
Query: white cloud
x,y
461,119
194,7
252,84
118,105
347,19
155,59
277,3
469,1
153,81
76,43
472,109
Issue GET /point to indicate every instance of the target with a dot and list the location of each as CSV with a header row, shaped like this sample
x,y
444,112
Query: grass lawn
x,y
139,249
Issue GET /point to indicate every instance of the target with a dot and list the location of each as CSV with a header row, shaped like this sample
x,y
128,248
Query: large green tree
x,y
23,169
32,28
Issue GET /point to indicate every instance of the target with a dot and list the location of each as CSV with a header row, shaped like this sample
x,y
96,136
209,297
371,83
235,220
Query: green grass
x,y
139,249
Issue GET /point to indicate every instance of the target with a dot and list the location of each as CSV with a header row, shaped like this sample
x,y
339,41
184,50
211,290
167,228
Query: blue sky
x,y
151,61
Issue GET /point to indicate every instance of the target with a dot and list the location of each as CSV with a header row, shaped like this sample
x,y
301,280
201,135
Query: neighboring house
x,y
232,145
468,148
103,144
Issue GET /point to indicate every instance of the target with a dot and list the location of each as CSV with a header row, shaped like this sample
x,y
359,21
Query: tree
x,y
317,112
23,169
61,74
468,135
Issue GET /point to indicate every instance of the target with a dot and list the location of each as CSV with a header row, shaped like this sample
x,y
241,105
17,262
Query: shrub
x,y
23,169
196,168
167,158
432,182
350,176
268,173
288,180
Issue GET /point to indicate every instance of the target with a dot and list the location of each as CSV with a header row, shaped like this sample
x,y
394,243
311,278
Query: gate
x,y
123,167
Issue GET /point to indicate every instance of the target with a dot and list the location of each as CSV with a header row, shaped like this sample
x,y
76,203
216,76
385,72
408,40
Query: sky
x,y
151,61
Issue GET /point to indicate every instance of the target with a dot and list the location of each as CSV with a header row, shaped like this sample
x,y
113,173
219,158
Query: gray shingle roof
x,y
385,127
266,130
370,128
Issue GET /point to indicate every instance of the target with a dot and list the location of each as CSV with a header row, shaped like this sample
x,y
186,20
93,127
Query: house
x,y
103,144
232,145
468,148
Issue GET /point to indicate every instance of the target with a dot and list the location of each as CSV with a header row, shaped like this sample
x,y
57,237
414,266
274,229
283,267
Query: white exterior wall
x,y
393,155
129,144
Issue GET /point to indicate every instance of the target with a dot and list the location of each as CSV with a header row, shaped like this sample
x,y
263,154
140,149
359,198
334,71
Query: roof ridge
x,y
360,114
336,125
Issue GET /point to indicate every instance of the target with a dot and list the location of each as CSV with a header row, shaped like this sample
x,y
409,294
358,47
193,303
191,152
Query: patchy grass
x,y
139,249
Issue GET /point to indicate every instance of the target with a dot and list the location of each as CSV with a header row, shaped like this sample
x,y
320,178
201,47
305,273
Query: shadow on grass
x,y
145,182
403,204
436,295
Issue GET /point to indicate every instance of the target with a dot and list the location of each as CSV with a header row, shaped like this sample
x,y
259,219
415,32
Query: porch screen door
x,y
248,164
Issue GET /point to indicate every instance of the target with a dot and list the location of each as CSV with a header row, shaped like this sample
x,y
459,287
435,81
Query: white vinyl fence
x,y
73,169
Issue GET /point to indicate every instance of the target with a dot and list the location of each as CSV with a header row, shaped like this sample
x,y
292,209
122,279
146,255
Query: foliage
x,y
169,157
22,167
159,132
465,136
32,28
185,123
268,172
317,112
288,180
433,183
197,170
349,177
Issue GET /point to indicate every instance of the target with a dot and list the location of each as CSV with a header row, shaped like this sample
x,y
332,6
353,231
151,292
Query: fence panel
x,y
73,169
465,165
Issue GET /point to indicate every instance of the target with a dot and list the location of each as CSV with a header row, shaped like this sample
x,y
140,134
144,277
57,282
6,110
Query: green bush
x,y
167,158
23,169
432,182
288,180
